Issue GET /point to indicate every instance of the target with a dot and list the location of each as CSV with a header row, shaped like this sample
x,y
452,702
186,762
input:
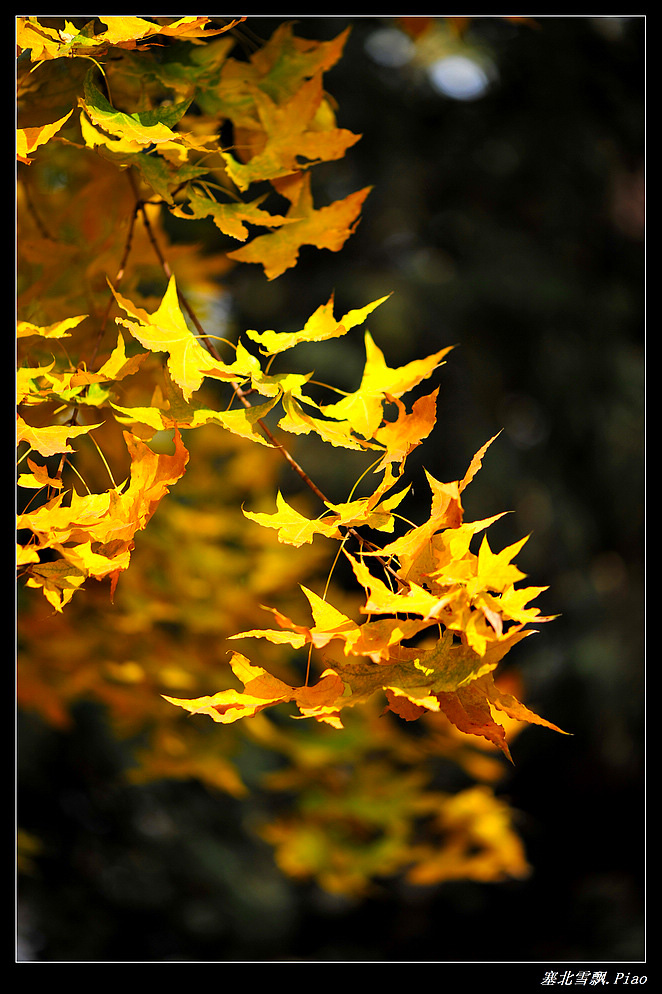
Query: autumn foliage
x,y
185,614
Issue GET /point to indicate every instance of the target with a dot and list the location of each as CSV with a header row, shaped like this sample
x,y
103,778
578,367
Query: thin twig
x,y
116,282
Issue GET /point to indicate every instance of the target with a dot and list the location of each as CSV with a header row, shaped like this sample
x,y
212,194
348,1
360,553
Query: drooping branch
x,y
242,395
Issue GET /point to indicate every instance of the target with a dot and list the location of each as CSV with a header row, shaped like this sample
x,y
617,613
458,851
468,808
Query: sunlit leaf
x,y
319,327
50,439
166,330
364,407
59,329
298,421
293,527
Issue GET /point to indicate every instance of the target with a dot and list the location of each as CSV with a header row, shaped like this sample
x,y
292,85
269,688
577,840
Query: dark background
x,y
512,226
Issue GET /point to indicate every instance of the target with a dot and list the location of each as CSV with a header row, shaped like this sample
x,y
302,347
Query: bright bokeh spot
x,y
459,77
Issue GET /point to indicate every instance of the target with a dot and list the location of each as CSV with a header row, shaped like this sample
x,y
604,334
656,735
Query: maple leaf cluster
x,y
115,368
283,124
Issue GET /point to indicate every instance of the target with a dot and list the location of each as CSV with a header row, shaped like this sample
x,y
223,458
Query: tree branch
x,y
242,396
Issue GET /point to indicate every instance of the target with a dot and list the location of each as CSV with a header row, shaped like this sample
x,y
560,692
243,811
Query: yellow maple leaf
x,y
38,477
50,439
412,599
375,639
28,139
371,511
94,533
230,217
511,604
118,365
448,678
293,527
262,690
60,329
329,624
94,563
297,421
319,327
363,408
166,330
122,30
43,42
414,548
495,571
476,463
195,28
58,582
379,639
152,475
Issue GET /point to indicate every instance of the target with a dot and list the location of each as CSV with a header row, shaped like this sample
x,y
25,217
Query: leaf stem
x,y
71,466
103,459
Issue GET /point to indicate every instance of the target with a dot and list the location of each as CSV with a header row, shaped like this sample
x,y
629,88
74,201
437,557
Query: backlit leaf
x,y
291,141
293,528
50,439
318,328
402,436
364,407
324,227
297,421
166,330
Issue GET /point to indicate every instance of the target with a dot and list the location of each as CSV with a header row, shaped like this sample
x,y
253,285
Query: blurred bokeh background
x,y
507,217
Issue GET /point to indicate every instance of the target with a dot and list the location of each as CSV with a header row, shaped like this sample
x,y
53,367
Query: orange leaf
x,y
325,228
468,709
152,475
401,436
476,463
